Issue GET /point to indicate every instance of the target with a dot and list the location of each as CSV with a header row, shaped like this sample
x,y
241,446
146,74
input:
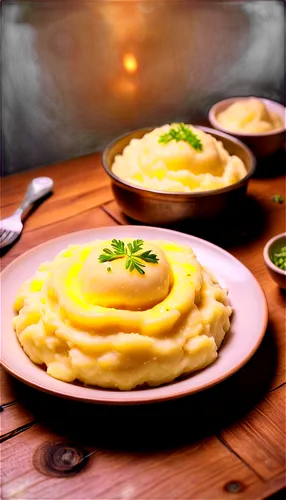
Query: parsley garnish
x,y
181,132
129,251
279,258
278,198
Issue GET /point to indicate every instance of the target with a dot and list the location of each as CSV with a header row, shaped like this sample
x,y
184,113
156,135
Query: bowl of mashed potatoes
x,y
122,314
167,174
258,122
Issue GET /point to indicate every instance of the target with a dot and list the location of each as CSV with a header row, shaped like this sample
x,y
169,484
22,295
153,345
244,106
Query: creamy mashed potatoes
x,y
177,166
103,325
249,115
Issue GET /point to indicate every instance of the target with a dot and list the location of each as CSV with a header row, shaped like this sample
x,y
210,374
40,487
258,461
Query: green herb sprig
x,y
130,252
181,132
278,198
279,258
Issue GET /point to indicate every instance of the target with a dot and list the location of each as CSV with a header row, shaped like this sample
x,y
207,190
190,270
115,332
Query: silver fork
x,y
12,226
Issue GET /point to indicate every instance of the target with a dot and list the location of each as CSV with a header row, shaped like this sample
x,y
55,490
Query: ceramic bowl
x,y
165,208
262,144
272,246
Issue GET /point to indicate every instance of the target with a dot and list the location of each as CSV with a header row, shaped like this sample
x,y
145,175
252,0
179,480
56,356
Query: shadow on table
x,y
161,425
243,224
271,166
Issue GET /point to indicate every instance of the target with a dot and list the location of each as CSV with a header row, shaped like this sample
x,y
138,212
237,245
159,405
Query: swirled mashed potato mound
x,y
249,115
103,325
177,166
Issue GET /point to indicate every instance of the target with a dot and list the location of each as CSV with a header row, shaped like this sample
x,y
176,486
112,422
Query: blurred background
x,y
76,74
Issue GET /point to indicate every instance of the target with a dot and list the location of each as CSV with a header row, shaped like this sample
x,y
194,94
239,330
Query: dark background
x,y
33,111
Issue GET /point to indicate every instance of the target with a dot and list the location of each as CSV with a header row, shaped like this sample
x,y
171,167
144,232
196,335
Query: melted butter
x,y
157,320
111,285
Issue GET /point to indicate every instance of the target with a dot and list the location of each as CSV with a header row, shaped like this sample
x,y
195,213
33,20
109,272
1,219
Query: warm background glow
x,y
77,76
130,63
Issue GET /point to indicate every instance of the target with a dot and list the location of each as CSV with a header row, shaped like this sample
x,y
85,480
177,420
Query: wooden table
x,y
224,443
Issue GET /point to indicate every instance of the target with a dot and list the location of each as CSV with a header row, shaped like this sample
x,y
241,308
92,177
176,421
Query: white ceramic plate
x,y
248,323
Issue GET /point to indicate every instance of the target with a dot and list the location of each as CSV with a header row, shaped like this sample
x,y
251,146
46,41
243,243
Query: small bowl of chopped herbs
x,y
275,258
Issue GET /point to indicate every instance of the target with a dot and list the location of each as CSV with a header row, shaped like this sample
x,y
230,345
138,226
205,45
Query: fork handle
x,y
38,188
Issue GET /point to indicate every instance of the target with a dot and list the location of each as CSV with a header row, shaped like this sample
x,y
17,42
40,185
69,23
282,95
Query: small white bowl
x,y
261,143
272,246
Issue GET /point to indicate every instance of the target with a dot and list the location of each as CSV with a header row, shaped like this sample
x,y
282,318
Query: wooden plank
x,y
94,217
13,417
71,177
7,393
251,254
259,439
52,209
112,209
80,184
201,470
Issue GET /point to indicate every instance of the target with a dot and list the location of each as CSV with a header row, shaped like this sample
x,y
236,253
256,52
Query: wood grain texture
x,y
68,173
74,192
94,217
7,393
111,474
247,452
259,439
13,417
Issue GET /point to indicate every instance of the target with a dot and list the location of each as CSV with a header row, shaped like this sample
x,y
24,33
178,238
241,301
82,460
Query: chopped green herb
x,y
279,258
130,252
278,198
182,132
109,269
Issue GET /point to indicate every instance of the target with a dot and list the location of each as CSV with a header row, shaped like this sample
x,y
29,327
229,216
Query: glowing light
x,y
130,63
124,87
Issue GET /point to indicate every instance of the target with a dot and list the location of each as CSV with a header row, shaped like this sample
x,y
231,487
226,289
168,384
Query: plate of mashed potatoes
x,y
124,315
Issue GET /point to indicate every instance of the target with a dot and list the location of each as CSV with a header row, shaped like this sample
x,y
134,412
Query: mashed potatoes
x,y
249,115
177,166
103,325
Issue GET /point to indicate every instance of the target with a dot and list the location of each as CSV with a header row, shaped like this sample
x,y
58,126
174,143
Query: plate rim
x,y
172,395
